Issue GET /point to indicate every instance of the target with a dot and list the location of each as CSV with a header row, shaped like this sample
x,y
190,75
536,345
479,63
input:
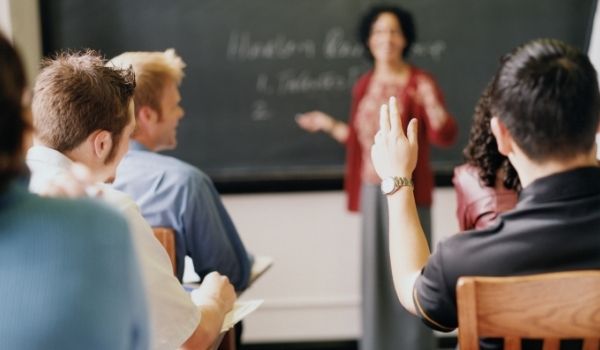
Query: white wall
x,y
594,49
5,22
313,290
594,54
20,22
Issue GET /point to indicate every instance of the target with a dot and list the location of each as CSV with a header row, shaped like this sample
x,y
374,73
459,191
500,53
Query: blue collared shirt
x,y
174,194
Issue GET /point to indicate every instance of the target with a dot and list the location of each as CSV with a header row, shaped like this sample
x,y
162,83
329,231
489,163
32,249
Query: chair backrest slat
x,y
551,344
510,343
591,344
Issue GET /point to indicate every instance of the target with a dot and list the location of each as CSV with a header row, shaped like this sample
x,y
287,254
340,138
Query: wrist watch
x,y
392,184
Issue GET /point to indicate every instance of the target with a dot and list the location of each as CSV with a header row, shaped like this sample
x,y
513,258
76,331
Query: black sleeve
x,y
434,301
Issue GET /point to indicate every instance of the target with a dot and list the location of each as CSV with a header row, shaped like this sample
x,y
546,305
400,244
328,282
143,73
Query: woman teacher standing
x,y
387,33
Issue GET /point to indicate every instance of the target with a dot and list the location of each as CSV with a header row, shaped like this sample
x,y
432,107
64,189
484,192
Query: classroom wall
x,y
5,22
312,292
594,53
594,48
20,21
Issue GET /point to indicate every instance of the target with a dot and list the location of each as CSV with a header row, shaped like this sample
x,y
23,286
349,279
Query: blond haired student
x,y
170,192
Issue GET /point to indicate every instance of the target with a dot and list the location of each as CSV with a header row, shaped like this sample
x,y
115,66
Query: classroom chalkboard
x,y
252,65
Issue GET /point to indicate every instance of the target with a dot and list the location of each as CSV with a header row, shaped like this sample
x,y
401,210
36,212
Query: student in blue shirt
x,y
69,274
170,192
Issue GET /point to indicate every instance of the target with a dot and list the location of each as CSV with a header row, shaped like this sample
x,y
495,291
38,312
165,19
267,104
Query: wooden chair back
x,y
553,306
166,237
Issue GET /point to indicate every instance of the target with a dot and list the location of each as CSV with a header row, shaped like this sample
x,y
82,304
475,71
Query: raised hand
x,y
394,153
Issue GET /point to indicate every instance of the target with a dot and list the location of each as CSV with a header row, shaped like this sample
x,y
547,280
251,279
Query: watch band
x,y
402,181
392,184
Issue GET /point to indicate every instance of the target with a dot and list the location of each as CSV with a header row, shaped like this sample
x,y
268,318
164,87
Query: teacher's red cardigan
x,y
423,175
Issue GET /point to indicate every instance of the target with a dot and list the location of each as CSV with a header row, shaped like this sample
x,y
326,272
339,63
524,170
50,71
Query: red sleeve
x,y
446,135
461,201
478,206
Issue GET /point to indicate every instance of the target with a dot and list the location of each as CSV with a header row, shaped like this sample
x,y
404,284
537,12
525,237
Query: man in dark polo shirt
x,y
546,108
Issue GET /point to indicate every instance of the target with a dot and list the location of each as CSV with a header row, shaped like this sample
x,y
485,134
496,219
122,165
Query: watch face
x,y
388,185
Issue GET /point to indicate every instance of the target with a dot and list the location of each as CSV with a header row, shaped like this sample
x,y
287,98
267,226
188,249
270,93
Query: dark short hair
x,y
546,93
482,150
12,122
75,94
405,19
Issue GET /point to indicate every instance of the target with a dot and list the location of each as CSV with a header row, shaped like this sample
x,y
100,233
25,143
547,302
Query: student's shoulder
x,y
468,252
181,171
165,163
467,182
84,213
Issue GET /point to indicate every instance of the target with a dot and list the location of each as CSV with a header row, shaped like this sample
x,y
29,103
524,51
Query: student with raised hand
x,y
487,184
545,107
70,279
83,112
170,192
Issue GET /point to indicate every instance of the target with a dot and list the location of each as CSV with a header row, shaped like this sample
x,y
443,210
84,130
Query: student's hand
x,y
76,183
214,298
394,153
215,288
316,121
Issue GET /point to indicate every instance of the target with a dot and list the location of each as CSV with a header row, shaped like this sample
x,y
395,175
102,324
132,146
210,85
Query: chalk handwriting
x,y
293,81
242,47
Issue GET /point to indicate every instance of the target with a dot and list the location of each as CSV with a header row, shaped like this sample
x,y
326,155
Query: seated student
x,y
172,193
487,184
545,105
83,112
69,277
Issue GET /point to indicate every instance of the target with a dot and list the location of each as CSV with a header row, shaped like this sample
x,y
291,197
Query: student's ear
x,y
503,137
102,144
146,115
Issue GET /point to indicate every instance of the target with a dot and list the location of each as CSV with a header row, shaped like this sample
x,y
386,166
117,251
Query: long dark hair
x,y
12,122
482,149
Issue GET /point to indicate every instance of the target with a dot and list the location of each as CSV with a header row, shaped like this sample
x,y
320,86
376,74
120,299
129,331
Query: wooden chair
x,y
551,307
166,237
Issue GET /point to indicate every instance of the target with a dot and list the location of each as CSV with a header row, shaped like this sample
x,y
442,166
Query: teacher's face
x,y
386,41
